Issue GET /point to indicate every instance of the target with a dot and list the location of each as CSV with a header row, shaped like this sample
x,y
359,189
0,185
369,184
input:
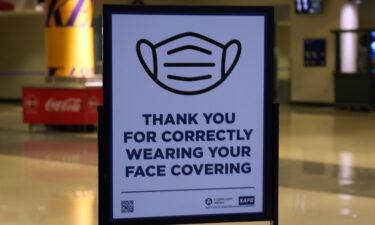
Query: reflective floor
x,y
327,170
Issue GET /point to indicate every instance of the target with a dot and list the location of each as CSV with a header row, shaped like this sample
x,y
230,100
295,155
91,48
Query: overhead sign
x,y
188,115
309,6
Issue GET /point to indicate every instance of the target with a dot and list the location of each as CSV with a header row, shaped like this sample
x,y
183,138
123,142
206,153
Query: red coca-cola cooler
x,y
60,105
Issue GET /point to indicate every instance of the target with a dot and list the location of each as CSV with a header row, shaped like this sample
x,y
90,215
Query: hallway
x,y
327,170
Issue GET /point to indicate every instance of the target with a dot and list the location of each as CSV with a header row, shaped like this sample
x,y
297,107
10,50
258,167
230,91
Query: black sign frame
x,y
270,192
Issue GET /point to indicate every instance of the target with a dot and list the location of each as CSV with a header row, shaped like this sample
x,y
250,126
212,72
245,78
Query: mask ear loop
x,y
153,74
236,58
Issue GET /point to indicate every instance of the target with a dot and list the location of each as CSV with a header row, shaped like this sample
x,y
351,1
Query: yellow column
x,y
70,38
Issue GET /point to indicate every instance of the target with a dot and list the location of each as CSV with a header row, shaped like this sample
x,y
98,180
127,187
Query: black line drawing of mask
x,y
188,63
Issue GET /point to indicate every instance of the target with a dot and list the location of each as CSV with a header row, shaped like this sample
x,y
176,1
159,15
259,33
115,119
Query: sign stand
x,y
160,69
275,110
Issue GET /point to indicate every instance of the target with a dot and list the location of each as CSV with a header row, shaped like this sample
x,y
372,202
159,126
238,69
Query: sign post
x,y
188,131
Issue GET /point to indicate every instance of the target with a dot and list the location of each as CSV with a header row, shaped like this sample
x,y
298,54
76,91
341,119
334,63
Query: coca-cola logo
x,y
30,103
65,105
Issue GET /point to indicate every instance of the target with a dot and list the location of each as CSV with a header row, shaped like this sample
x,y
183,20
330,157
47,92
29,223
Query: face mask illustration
x,y
188,63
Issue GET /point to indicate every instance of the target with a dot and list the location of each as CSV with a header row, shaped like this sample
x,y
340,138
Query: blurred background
x,y
50,85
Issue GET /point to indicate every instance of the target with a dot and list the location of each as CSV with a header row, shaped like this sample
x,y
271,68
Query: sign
x,y
61,106
187,115
315,52
309,6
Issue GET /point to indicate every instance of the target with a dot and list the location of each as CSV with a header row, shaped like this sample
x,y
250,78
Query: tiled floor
x,y
327,170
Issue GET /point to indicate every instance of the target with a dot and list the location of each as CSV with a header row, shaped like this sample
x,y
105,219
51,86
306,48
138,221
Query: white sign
x,y
188,115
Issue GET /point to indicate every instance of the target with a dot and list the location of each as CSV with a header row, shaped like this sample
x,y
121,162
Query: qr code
x,y
127,206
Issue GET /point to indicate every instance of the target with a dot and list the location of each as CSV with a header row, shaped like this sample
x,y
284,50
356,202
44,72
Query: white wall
x,y
314,84
22,52
366,14
283,51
